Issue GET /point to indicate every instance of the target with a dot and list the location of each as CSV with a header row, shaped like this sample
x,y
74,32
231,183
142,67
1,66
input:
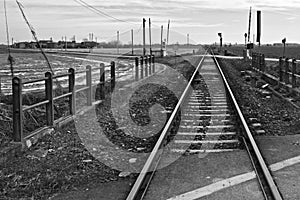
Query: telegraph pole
x,y
168,32
249,26
150,36
188,39
118,39
66,42
132,41
161,37
144,36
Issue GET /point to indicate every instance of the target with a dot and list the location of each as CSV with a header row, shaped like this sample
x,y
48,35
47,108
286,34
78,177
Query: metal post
x,y
72,98
49,97
112,75
17,109
136,68
102,81
280,69
142,67
294,73
89,85
286,71
146,66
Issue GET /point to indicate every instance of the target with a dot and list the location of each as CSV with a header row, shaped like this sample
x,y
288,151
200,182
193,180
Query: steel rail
x,y
138,183
274,190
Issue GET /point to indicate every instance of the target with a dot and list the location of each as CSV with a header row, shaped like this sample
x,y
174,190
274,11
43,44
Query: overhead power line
x,y
99,12
21,7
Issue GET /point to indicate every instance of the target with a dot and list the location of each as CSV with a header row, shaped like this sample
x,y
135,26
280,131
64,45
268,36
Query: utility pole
x,y
132,41
188,39
168,33
66,43
249,26
144,36
150,36
118,39
161,37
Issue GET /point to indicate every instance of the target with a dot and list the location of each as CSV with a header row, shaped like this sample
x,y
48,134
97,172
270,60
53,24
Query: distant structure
x,y
50,44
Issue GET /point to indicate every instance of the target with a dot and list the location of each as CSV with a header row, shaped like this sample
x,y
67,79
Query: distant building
x,y
89,44
50,44
22,45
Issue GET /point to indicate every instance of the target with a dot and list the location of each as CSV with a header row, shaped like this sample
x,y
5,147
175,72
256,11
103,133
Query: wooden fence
x,y
286,72
144,66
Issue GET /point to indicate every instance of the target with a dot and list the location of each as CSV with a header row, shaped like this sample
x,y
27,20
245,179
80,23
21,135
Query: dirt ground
x,y
60,162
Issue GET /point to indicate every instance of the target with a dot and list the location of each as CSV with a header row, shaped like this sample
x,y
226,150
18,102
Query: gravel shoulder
x,y
276,116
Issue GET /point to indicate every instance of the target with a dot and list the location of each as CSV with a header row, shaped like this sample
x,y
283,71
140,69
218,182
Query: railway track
x,y
211,122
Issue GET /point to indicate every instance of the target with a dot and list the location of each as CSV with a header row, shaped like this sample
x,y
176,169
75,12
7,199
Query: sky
x,y
201,19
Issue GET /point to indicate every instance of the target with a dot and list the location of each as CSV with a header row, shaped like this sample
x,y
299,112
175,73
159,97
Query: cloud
x,y
291,18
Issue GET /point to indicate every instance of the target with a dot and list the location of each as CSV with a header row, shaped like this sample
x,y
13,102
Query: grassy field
x,y
269,51
31,66
138,50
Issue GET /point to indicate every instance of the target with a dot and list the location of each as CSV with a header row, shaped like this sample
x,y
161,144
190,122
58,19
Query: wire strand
x,y
99,12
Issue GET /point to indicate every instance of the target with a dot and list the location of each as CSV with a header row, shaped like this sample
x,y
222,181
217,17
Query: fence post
x,y
259,62
72,97
102,81
253,60
142,67
263,63
17,109
153,62
49,97
280,69
286,71
294,73
150,64
146,66
112,75
89,85
136,68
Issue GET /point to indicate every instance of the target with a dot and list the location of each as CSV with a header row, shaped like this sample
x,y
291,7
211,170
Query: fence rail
x,y
145,65
286,71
